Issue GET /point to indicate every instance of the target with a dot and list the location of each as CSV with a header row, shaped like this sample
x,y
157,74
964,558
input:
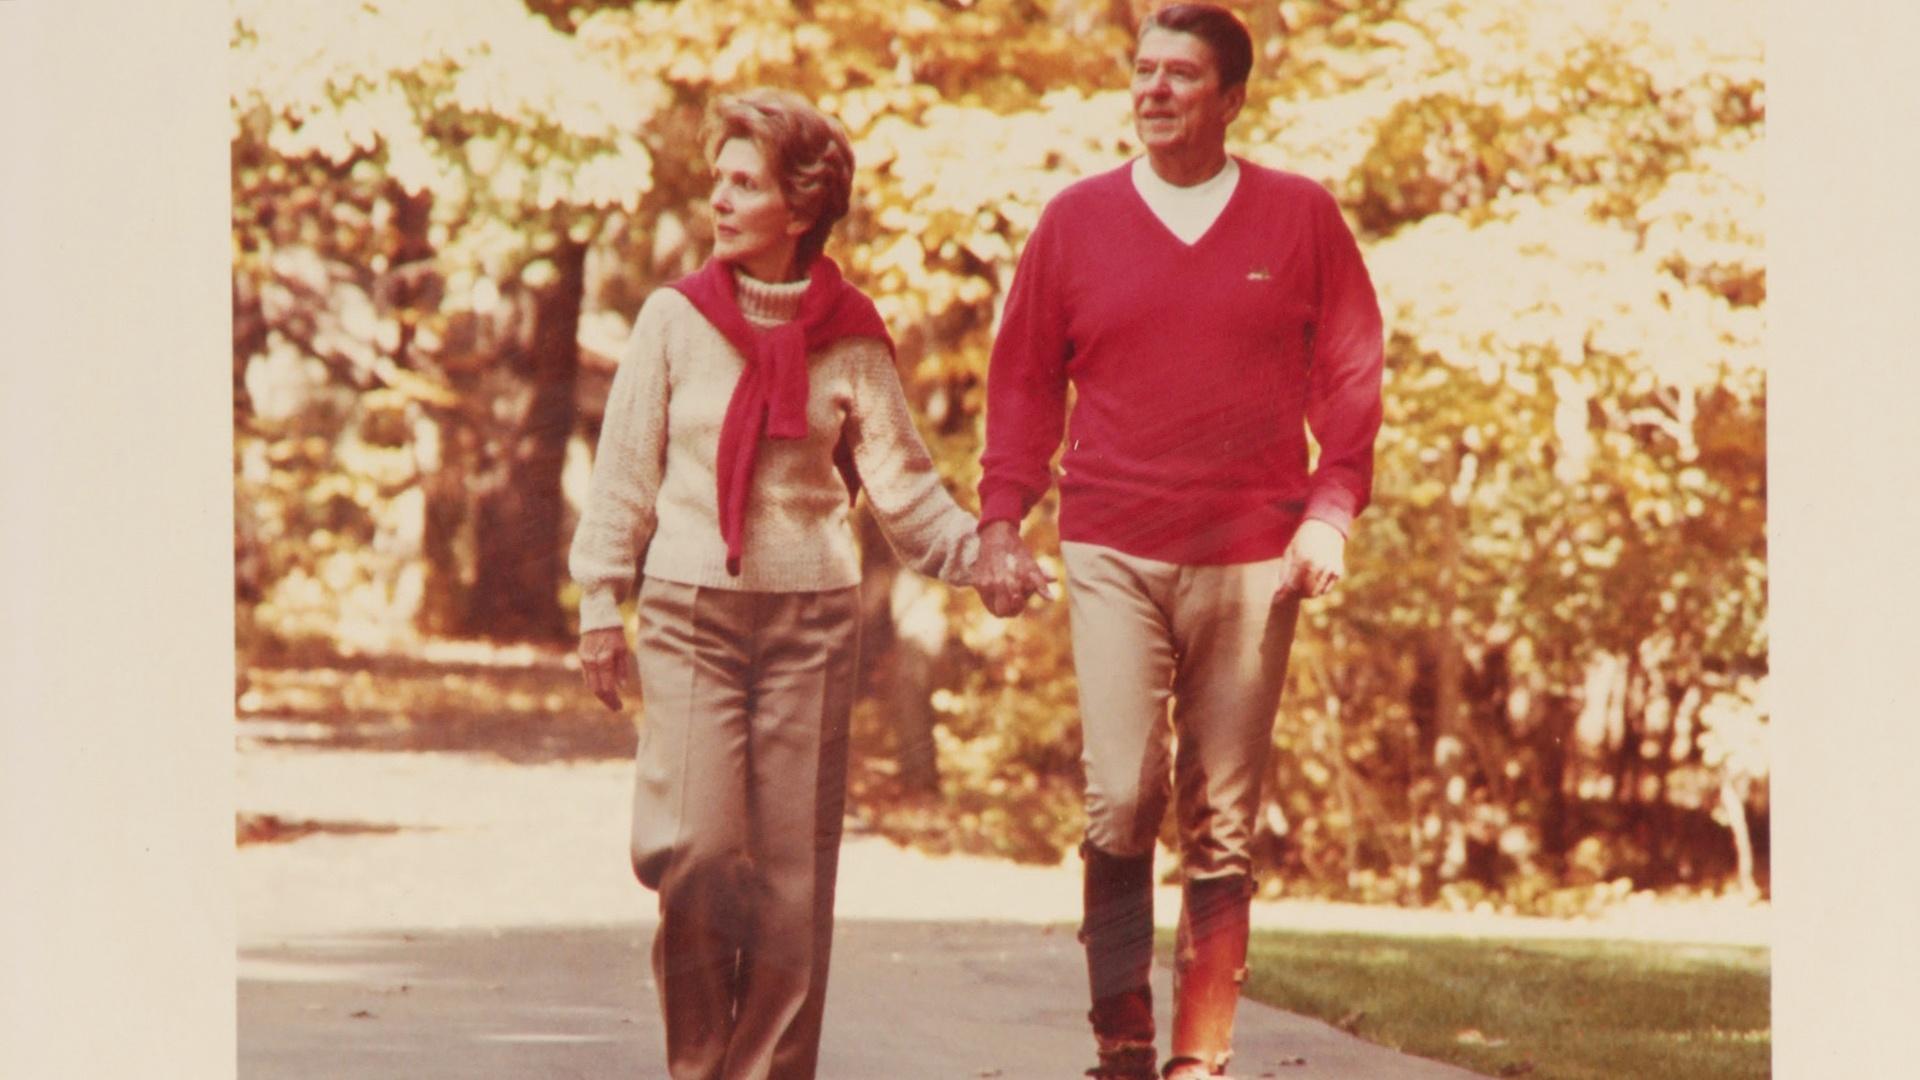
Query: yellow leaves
x,y
1706,223
539,274
1549,278
1425,493
1587,137
990,247
615,179
1735,735
883,112
1324,137
900,218
418,166
1491,40
754,43
917,20
901,258
407,77
416,386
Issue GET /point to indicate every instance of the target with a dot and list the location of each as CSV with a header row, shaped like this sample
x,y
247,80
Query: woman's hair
x,y
1221,29
805,149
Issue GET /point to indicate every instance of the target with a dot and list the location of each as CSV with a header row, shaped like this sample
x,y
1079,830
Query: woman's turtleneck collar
x,y
767,303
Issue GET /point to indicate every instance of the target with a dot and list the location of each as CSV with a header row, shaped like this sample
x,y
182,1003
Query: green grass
x,y
1545,1010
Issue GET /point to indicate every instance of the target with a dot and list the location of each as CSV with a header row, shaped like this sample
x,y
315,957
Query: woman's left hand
x,y
605,660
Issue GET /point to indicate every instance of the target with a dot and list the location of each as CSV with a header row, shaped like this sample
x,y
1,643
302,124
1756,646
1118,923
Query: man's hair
x,y
1221,29
806,150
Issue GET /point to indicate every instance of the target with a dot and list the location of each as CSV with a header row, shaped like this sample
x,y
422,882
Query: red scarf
x,y
771,396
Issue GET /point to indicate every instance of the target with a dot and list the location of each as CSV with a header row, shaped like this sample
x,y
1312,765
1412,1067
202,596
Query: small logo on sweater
x,y
1259,273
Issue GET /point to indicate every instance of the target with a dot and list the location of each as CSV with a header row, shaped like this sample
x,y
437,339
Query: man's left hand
x,y
1315,561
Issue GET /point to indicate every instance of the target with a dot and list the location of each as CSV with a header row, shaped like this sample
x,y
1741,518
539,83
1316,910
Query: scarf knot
x,y
784,355
771,397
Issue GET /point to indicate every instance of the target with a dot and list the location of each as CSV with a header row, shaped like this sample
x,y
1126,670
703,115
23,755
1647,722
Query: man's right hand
x,y
1005,572
605,660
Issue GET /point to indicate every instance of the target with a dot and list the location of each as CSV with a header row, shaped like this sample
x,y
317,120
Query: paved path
x,y
913,1000
457,916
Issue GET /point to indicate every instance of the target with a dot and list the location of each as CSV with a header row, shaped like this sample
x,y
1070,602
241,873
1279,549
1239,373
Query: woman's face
x,y
753,228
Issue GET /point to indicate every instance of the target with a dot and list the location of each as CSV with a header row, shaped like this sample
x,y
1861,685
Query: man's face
x,y
1177,100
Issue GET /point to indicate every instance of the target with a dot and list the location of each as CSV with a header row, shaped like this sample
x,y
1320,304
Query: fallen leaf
x,y
1473,1037
360,1015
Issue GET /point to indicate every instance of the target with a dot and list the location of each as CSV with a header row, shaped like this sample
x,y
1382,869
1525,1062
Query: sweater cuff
x,y
1001,504
1332,508
599,609
960,572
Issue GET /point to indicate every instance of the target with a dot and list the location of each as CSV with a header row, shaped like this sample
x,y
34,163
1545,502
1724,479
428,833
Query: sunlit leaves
x,y
414,79
1561,206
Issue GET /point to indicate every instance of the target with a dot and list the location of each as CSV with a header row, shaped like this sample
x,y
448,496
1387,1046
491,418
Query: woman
x,y
753,397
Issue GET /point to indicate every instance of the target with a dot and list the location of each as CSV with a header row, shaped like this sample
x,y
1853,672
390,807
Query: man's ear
x,y
798,226
1236,98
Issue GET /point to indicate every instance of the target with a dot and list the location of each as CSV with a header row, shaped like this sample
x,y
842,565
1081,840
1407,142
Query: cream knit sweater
x,y
653,485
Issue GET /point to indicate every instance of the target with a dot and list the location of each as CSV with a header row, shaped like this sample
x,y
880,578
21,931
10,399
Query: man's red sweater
x,y
1196,372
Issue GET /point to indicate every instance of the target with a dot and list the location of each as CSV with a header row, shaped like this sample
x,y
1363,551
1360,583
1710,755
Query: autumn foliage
x,y
1544,678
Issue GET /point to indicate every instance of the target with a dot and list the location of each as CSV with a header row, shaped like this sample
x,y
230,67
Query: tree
x,y
436,182
1546,667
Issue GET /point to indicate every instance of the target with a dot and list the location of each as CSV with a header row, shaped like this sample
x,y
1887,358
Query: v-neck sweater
x,y
1196,369
1187,212
653,486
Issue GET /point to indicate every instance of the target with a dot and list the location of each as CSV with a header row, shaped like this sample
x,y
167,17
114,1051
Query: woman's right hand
x,y
605,660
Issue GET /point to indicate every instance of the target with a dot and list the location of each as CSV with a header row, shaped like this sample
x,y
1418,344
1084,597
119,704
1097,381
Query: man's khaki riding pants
x,y
1212,642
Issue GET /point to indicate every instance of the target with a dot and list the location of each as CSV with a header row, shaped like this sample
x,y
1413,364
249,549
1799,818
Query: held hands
x,y
606,661
1005,572
1314,561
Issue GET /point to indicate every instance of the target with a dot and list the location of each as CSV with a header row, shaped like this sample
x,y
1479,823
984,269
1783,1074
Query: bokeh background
x,y
1541,688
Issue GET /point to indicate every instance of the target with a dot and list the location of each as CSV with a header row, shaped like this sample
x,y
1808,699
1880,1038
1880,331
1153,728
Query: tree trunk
x,y
920,637
443,608
519,552
1452,760
905,636
1636,820
1554,741
1734,804
399,290
1343,778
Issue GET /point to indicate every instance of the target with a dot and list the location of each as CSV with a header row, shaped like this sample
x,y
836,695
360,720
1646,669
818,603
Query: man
x,y
1207,313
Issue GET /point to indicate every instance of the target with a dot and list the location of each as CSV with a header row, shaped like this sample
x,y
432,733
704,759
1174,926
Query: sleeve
x,y
1026,382
627,469
929,531
1343,390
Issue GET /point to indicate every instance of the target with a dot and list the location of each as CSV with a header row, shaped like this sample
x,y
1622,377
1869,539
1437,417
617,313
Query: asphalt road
x,y
918,1000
